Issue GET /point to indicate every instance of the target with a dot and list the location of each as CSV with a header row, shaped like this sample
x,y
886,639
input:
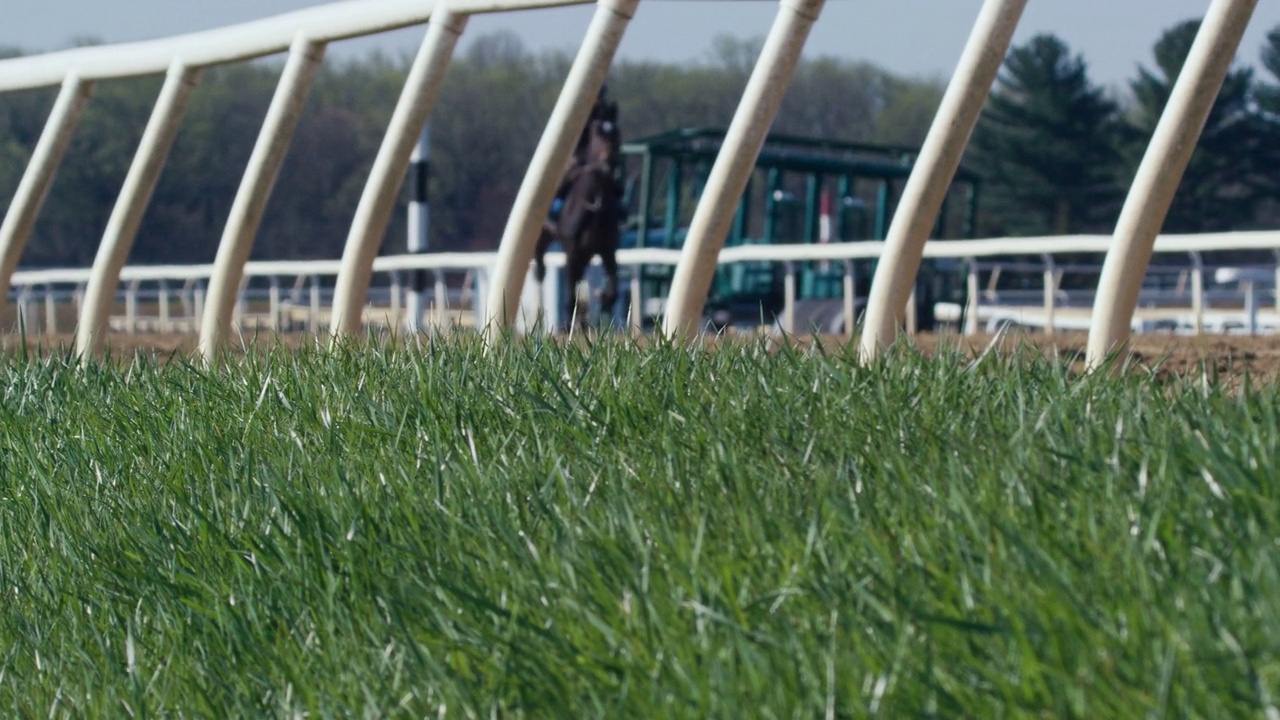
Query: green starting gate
x,y
802,190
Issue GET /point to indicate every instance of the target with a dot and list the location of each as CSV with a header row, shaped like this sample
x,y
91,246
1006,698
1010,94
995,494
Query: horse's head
x,y
605,138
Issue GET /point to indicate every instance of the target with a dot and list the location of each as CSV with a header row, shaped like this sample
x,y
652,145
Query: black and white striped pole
x,y
418,217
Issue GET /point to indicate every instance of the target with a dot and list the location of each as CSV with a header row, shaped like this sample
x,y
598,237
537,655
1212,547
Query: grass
x,y
610,531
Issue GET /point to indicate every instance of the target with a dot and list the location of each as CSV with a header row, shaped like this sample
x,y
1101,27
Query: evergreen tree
x,y
1046,144
1268,94
1268,98
1222,188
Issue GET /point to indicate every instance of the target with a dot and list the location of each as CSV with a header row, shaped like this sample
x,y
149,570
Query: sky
x,y
919,38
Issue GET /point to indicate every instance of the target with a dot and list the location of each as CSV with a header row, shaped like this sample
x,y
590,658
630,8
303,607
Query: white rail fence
x,y
305,34
298,295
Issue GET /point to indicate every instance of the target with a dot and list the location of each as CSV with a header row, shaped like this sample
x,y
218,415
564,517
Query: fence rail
x,y
243,41
1048,307
779,253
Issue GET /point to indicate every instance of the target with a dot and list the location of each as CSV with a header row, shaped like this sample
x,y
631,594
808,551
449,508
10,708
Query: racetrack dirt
x,y
1227,355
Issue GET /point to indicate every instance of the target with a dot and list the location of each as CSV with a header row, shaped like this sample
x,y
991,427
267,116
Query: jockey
x,y
578,159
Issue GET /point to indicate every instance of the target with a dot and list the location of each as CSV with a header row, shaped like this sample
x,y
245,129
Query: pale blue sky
x,y
914,37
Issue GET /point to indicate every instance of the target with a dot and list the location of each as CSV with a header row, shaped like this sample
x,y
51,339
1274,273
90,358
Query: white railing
x,y
1049,308
245,41
862,250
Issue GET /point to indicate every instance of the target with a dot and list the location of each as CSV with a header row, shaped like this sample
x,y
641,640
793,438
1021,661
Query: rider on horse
x,y
587,215
603,109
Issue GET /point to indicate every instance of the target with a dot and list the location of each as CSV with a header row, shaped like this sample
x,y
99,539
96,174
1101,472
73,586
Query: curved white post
x,y
1160,172
934,170
255,188
734,163
36,181
549,161
418,97
122,227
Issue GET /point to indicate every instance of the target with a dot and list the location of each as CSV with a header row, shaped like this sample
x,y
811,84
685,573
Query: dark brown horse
x,y
590,220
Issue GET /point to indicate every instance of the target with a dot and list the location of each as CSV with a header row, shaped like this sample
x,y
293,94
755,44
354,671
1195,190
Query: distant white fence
x,y
306,34
299,293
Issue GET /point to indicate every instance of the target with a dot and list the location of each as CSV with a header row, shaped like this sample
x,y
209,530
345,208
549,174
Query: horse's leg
x,y
540,253
609,297
575,268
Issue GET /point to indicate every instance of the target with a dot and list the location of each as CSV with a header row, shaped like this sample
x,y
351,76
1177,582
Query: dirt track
x,y
1170,354
1233,355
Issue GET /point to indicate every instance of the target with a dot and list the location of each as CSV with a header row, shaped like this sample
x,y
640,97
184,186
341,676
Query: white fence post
x,y
131,307
122,228
1275,295
974,291
38,177
273,304
50,310
197,303
734,164
480,284
789,298
850,285
636,309
934,170
1197,292
1050,293
394,319
1250,306
441,302
418,97
313,317
1161,170
255,188
166,323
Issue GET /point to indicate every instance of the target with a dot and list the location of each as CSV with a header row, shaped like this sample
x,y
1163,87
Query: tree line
x,y
1059,153
1056,151
491,112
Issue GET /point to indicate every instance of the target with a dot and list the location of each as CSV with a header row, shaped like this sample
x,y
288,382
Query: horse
x,y
590,221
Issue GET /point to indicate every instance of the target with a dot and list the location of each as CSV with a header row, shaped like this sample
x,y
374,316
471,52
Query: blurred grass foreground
x,y
606,529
